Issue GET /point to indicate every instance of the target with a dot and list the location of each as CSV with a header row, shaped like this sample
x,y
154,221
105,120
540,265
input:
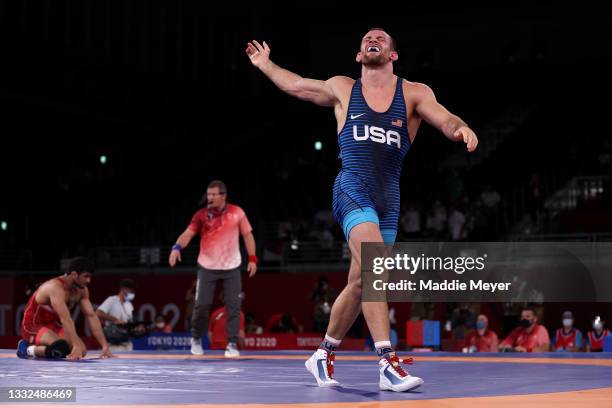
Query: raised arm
x,y
311,90
439,117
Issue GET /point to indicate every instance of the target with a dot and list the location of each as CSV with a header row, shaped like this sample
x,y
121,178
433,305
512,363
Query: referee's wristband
x,y
177,247
253,258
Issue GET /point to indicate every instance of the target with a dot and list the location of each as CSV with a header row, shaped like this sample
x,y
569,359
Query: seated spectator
x,y
596,337
528,337
567,338
482,339
251,325
282,323
217,329
115,312
161,326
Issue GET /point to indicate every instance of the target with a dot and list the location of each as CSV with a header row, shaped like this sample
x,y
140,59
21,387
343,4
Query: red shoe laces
x,y
395,363
331,357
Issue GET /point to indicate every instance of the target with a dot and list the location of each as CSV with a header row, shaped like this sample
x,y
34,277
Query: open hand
x,y
468,136
258,54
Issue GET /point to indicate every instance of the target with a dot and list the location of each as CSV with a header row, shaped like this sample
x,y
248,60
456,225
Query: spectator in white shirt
x,y
115,312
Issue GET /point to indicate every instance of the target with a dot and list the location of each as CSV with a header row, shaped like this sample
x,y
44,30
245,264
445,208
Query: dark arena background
x,y
117,114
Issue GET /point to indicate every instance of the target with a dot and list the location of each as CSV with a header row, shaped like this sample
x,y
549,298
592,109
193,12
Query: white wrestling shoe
x,y
394,377
231,351
196,347
321,366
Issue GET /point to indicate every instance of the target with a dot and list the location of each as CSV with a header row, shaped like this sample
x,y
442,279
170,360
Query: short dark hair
x,y
81,265
531,309
218,183
392,42
127,284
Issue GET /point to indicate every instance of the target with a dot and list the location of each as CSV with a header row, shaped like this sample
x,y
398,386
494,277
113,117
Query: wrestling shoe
x,y
196,347
394,377
321,366
22,349
231,351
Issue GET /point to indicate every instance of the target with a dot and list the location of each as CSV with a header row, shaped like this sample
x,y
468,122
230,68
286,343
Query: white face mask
x,y
160,325
597,326
130,296
568,322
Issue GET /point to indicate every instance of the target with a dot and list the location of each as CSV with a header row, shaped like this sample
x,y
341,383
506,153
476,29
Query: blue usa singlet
x,y
372,150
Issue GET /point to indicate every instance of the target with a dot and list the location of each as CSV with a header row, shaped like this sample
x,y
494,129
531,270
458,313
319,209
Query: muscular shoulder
x,y
341,80
416,91
50,286
341,84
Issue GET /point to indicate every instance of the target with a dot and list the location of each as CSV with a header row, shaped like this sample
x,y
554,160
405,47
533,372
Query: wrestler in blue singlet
x,y
372,150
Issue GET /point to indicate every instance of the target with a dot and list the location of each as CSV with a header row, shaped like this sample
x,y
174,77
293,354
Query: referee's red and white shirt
x,y
219,236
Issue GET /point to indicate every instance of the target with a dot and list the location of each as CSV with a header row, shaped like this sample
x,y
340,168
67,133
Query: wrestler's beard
x,y
375,61
78,285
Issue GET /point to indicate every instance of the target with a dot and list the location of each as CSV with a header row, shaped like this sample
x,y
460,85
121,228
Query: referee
x,y
219,226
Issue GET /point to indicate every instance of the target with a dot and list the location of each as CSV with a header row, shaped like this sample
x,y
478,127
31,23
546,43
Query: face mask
x,y
568,322
597,326
480,325
130,296
160,325
525,323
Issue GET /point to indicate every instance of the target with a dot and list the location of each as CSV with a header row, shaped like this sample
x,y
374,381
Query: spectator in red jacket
x,y
529,336
482,339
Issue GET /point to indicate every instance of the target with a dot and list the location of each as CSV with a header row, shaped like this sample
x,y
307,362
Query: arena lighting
x,y
295,245
103,159
3,225
318,145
